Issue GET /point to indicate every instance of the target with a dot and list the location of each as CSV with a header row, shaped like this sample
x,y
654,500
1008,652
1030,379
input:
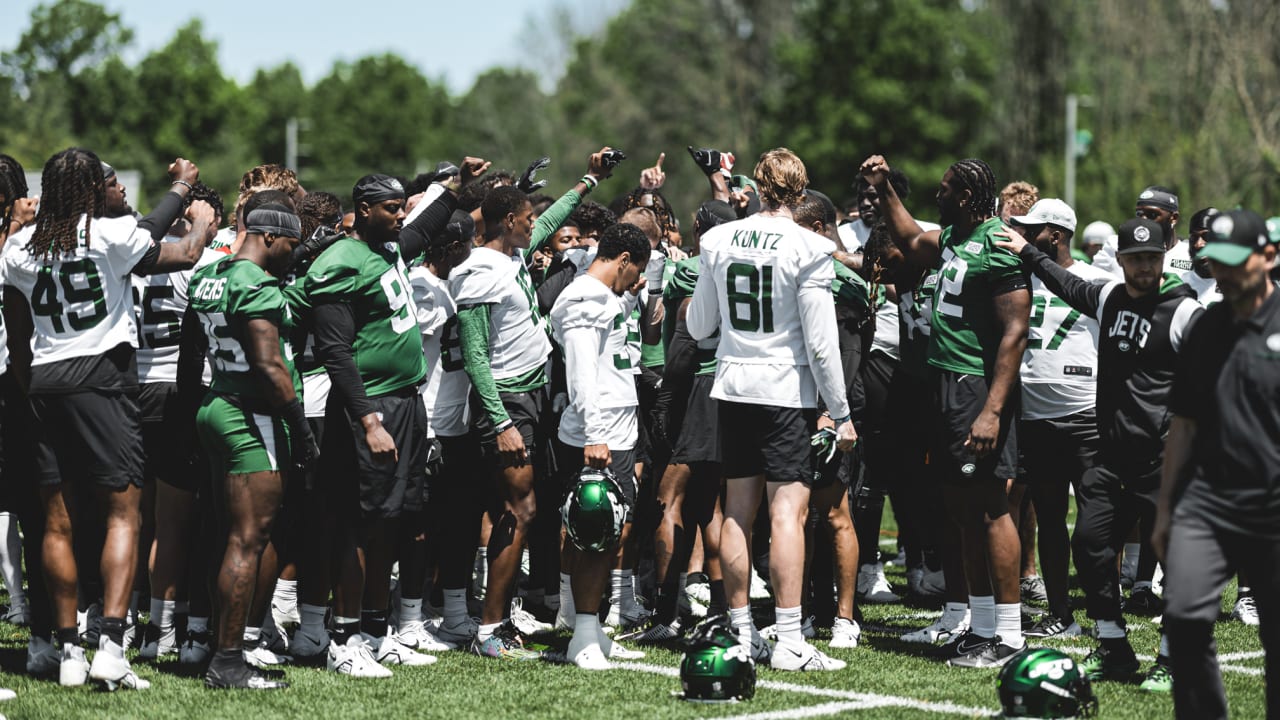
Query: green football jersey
x,y
373,281
226,295
915,312
965,335
684,278
851,291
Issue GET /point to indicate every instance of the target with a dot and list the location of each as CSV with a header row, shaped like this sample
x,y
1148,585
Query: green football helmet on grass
x,y
1045,683
595,511
716,666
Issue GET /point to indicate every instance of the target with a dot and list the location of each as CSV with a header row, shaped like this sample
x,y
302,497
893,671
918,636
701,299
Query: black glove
x,y
706,158
526,183
444,171
611,158
303,448
311,248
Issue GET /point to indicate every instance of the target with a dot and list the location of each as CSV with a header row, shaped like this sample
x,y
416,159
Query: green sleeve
x,y
254,302
473,329
551,220
330,281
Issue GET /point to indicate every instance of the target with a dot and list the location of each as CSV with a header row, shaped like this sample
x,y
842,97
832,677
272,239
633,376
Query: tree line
x,y
1184,93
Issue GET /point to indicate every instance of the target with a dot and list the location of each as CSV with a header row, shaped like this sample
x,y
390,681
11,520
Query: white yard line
x,y
831,708
851,700
1247,655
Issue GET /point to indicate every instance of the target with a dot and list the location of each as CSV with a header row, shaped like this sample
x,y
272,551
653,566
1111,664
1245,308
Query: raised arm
x,y
553,217
432,219
920,248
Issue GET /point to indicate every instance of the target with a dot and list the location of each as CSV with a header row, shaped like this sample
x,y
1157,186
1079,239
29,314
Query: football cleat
x,y
1246,610
418,636
944,629
655,634
993,654
307,649
196,649
242,678
112,669
963,644
73,668
845,634
1111,660
389,650
1159,679
157,644
459,634
355,658
803,657
1032,589
1050,626
504,643
263,657
42,657
525,621
873,587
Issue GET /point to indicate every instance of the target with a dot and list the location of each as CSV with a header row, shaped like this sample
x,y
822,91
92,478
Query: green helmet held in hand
x,y
595,511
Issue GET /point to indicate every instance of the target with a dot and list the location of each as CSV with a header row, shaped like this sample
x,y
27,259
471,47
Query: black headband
x,y
377,188
276,222
1158,198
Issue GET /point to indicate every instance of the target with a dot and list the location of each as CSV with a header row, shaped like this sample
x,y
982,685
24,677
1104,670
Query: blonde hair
x,y
1018,196
265,177
781,178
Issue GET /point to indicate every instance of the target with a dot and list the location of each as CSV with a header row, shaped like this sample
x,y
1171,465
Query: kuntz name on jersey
x,y
1129,326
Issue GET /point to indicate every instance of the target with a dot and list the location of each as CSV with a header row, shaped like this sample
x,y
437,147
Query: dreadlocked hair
x,y
71,186
13,185
878,244
976,176
654,201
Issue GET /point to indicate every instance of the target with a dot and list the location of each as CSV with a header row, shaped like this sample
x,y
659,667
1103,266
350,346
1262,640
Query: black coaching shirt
x,y
1228,382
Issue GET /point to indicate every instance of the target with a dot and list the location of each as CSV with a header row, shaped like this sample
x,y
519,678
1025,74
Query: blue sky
x,y
451,40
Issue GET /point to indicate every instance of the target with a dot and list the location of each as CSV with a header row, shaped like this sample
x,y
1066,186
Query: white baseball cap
x,y
1097,232
1049,211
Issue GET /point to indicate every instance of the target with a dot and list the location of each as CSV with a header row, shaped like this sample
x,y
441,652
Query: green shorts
x,y
238,441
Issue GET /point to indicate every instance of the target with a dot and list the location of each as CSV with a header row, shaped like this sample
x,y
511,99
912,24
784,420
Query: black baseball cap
x,y
1139,235
1234,236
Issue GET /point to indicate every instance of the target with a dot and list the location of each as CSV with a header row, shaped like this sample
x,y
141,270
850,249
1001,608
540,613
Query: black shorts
x,y
622,464
766,440
1057,451
960,399
698,438
162,444
91,435
384,490
524,409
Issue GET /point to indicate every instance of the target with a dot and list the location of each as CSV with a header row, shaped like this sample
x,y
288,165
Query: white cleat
x,y
873,587
391,651
525,622
355,658
1246,610
803,657
589,656
845,634
944,629
759,590
626,618
73,668
112,670
263,657
418,636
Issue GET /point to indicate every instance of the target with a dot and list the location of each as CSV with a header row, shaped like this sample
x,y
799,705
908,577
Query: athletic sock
x,y
162,614
67,636
1009,624
1163,658
620,584
312,619
344,628
982,615
719,599
486,631
1141,585
788,624
410,610
566,595
586,626
227,659
482,567
740,618
455,606
252,635
112,629
374,622
1110,630
286,592
953,614
197,624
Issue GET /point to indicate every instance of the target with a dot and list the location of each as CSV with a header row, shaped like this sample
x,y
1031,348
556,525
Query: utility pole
x,y
1071,146
291,142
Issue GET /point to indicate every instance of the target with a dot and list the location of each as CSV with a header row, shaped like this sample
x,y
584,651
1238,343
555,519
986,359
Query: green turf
x,y
461,685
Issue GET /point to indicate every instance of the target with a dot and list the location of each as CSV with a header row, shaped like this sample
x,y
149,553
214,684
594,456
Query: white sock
x,y
410,610
1109,630
566,595
486,631
482,564
197,624
286,592
788,624
552,601
953,613
312,618
1131,552
1009,624
455,606
162,612
11,558
741,620
1164,646
252,634
982,615
586,630
619,588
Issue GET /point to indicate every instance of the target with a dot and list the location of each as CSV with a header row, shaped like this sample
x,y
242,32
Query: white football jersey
x,y
1206,289
1177,259
4,334
590,323
518,341
751,274
159,303
1060,365
82,303
445,392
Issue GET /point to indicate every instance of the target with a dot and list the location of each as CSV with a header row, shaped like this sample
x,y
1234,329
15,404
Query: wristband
x,y
842,420
293,415
590,182
182,182
502,426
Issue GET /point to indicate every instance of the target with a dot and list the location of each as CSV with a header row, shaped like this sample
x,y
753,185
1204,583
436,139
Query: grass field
x,y
886,678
